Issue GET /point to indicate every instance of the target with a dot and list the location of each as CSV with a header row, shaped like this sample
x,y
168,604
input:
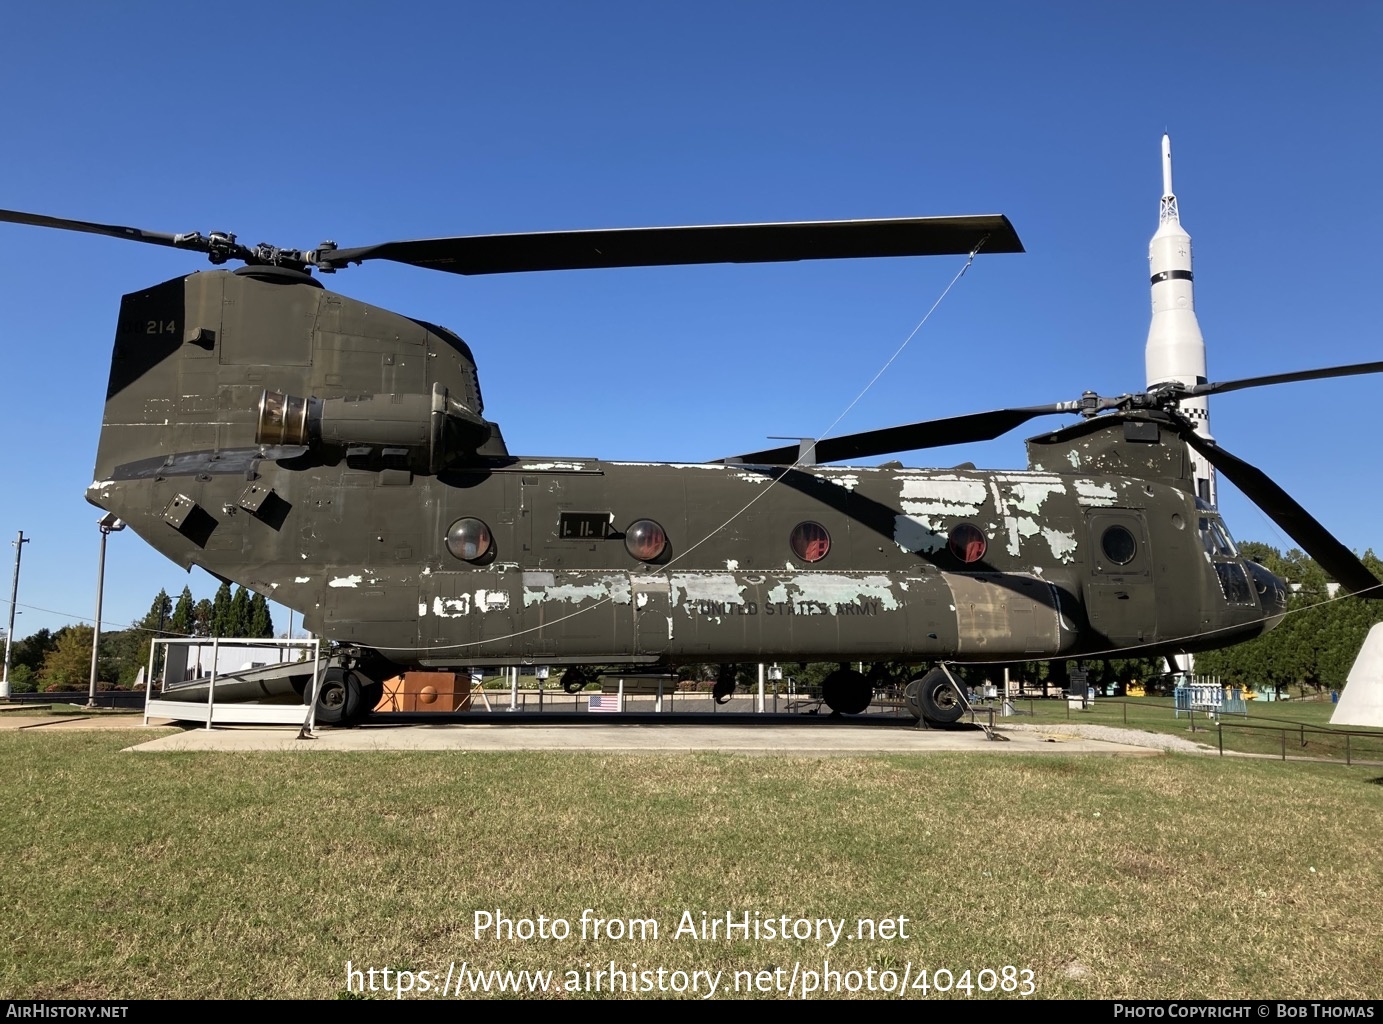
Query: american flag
x,y
603,702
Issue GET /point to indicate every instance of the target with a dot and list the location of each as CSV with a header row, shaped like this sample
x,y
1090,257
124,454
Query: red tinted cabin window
x,y
810,542
645,540
967,542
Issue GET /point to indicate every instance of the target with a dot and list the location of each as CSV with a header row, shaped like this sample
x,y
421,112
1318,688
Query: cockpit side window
x,y
1215,539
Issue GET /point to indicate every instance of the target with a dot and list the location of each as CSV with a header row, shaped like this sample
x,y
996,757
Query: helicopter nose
x,y
1272,590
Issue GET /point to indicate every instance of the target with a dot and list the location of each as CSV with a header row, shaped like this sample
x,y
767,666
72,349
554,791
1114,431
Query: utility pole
x,y
14,599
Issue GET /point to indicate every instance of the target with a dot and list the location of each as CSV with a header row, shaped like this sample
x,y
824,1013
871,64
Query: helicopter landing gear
x,y
724,687
340,697
934,698
846,692
351,689
574,679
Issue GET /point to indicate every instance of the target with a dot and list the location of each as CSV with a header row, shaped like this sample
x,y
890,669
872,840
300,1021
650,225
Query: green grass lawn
x,y
261,875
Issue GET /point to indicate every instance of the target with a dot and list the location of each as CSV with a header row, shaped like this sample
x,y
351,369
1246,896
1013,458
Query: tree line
x,y
51,660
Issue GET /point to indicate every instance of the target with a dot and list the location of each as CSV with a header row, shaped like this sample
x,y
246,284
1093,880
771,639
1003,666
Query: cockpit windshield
x,y
1215,538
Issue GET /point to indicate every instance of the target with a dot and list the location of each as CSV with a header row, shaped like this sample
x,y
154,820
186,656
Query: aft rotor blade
x,y
1341,564
1286,378
114,230
711,243
979,426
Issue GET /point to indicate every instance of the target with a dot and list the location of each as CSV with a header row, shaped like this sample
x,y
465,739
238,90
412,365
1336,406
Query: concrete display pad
x,y
795,739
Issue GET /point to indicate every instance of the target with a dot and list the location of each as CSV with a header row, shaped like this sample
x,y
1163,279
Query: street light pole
x,y
108,524
14,603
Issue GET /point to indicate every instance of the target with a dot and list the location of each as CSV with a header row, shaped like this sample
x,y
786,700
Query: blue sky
x,y
369,122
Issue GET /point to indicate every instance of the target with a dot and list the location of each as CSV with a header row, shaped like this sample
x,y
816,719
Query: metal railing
x,y
1330,741
1264,737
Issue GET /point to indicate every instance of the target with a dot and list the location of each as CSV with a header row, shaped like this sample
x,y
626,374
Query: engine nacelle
x,y
431,431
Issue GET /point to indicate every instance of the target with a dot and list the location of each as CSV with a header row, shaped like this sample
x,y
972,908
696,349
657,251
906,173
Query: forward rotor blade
x,y
979,426
1338,561
114,230
1285,378
712,243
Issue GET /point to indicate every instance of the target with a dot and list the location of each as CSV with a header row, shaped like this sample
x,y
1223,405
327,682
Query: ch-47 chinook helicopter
x,y
335,456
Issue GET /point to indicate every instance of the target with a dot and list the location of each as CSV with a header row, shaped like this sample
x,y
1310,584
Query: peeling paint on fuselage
x,y
612,587
1063,544
491,600
691,587
1018,528
917,536
837,591
1028,494
941,496
541,467
1089,493
451,607
456,607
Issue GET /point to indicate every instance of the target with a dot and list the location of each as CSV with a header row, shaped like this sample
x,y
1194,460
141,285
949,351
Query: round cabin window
x,y
967,542
810,542
469,540
645,540
1119,545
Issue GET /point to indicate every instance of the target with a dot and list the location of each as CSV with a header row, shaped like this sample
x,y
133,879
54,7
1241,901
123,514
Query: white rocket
x,y
1176,350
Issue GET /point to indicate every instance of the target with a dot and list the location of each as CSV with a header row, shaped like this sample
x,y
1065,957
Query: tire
x,y
574,679
370,696
340,698
912,697
847,692
937,699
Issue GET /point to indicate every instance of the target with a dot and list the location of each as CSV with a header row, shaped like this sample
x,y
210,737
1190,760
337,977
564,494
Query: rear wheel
x,y
846,691
724,687
574,679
